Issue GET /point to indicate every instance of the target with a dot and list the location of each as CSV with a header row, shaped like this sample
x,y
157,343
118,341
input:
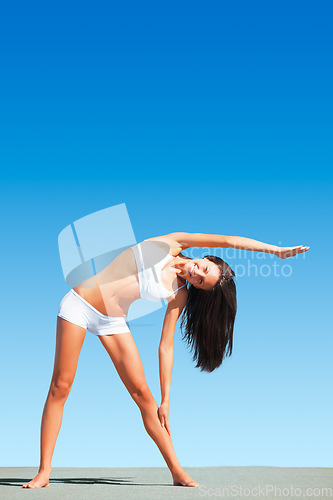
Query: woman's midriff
x,y
115,288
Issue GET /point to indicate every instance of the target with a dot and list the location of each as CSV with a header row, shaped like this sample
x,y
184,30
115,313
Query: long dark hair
x,y
208,318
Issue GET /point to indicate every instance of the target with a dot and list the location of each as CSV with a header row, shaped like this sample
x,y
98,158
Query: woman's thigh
x,y
69,342
126,359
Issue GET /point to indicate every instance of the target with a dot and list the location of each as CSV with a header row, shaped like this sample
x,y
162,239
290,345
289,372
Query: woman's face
x,y
202,273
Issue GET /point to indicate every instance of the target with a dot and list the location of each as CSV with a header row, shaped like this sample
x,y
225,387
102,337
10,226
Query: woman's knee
x,y
142,396
60,387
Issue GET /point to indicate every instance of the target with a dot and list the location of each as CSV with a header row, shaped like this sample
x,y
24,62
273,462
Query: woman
x,y
203,289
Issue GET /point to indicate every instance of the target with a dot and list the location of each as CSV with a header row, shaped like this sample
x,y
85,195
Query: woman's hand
x,y
163,415
285,252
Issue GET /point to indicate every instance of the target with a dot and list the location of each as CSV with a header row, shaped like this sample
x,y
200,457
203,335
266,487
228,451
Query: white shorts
x,y
75,309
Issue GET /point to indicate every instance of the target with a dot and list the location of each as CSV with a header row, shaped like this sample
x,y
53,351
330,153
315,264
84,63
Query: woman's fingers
x,y
162,420
163,417
285,252
167,427
164,423
301,249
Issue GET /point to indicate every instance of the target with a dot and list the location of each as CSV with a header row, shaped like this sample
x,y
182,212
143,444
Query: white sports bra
x,y
149,268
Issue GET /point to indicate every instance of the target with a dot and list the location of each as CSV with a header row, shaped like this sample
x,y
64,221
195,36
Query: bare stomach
x,y
110,300
115,288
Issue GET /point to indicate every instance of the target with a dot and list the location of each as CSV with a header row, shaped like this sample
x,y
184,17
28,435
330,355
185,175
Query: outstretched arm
x,y
186,240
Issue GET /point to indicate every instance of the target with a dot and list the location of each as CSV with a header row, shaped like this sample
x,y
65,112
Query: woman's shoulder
x,y
179,298
174,248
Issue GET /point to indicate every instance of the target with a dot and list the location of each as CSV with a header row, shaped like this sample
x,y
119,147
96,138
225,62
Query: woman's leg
x,y
70,338
125,356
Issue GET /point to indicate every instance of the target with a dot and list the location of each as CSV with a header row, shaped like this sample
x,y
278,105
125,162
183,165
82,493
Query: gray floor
x,y
155,483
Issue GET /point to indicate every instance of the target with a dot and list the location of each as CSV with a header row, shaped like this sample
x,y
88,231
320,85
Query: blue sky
x,y
202,118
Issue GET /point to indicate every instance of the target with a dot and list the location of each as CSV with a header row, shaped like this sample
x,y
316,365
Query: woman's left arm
x,y
165,354
186,240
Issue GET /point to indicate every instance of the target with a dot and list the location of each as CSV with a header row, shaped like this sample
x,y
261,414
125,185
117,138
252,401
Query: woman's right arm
x,y
186,240
180,241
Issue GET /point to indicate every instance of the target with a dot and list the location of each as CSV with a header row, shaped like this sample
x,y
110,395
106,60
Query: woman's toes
x,y
40,481
35,485
184,480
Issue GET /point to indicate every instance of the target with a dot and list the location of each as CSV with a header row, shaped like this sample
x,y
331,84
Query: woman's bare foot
x,y
39,481
183,479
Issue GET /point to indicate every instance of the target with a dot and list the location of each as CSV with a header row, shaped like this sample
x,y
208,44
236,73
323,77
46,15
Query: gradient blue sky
x,y
211,118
